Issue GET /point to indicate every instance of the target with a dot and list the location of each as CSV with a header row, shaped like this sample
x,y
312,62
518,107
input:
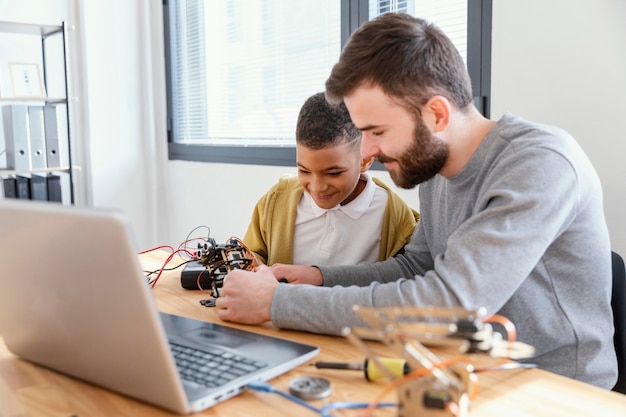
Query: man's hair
x,y
321,125
410,59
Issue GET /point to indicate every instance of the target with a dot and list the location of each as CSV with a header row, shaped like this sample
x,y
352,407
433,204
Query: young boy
x,y
333,212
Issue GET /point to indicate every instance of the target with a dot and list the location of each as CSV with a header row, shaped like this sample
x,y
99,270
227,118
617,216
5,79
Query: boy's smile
x,y
331,175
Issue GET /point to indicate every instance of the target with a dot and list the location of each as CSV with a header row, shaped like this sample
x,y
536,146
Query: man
x,y
512,216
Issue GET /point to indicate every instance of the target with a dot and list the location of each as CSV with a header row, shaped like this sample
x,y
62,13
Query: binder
x,y
38,187
22,185
17,144
9,187
37,137
54,188
55,126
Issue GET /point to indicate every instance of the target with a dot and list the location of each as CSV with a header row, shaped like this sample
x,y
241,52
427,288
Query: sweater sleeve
x,y
255,237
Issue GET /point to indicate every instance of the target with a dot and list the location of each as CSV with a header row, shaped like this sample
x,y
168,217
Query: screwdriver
x,y
397,367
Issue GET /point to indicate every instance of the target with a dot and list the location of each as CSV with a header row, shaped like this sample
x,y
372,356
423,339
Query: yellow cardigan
x,y
271,231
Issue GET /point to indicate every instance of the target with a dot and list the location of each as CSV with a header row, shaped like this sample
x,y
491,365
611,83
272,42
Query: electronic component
x,y
443,387
214,262
194,276
310,388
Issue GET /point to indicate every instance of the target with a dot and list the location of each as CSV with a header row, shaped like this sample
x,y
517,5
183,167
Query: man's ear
x,y
366,163
438,110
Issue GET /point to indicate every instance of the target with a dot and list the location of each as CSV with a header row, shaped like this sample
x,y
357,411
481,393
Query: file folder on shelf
x,y
16,137
32,187
22,185
55,122
9,187
37,137
54,188
38,187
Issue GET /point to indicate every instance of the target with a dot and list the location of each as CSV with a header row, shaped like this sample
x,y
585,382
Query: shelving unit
x,y
53,61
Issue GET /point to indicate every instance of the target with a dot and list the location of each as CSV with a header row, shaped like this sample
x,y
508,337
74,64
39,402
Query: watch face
x,y
310,388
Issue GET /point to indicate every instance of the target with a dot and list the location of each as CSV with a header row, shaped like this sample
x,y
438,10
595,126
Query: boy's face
x,y
330,175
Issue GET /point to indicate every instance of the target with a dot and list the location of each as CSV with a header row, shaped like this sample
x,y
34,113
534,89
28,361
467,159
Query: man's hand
x,y
298,274
246,296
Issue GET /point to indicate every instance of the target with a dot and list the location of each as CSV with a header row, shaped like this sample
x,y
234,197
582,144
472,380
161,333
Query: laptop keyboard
x,y
211,367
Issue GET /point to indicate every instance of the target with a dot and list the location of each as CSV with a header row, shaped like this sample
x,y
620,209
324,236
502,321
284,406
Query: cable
x,y
188,239
261,386
324,411
202,272
506,367
156,271
167,261
157,248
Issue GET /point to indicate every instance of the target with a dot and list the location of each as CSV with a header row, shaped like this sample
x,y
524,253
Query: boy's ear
x,y
366,163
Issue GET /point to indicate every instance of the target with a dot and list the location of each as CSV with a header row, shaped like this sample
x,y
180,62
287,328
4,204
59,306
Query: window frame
x,y
353,14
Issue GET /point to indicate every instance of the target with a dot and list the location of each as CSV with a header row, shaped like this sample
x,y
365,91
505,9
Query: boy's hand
x,y
258,261
246,296
298,274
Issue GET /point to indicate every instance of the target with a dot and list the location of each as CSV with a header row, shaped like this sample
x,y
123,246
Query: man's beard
x,y
421,161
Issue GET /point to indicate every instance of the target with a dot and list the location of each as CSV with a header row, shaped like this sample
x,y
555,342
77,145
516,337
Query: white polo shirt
x,y
343,235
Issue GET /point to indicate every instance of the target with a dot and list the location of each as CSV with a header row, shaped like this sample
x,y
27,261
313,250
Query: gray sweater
x,y
519,231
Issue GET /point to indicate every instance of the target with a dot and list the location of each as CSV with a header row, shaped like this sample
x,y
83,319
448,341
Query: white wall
x,y
127,112
563,62
34,11
223,196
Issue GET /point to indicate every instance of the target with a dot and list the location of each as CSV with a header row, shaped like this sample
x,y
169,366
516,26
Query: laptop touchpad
x,y
223,337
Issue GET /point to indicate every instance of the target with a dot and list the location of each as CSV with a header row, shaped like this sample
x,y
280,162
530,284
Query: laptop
x,y
74,299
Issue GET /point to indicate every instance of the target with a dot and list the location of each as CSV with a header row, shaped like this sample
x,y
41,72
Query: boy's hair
x,y
409,58
321,125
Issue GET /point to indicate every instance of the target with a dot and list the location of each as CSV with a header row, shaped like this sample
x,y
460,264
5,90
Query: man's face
x,y
408,149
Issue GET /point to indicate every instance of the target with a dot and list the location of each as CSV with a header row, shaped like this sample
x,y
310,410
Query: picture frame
x,y
27,80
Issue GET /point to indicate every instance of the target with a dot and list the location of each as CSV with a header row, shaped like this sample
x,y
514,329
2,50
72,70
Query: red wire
x,y
184,244
198,280
182,248
167,261
157,248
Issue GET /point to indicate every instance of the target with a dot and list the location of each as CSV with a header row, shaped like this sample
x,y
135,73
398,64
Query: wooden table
x,y
29,390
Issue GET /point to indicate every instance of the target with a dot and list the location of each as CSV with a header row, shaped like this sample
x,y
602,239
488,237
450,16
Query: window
x,y
239,70
449,15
